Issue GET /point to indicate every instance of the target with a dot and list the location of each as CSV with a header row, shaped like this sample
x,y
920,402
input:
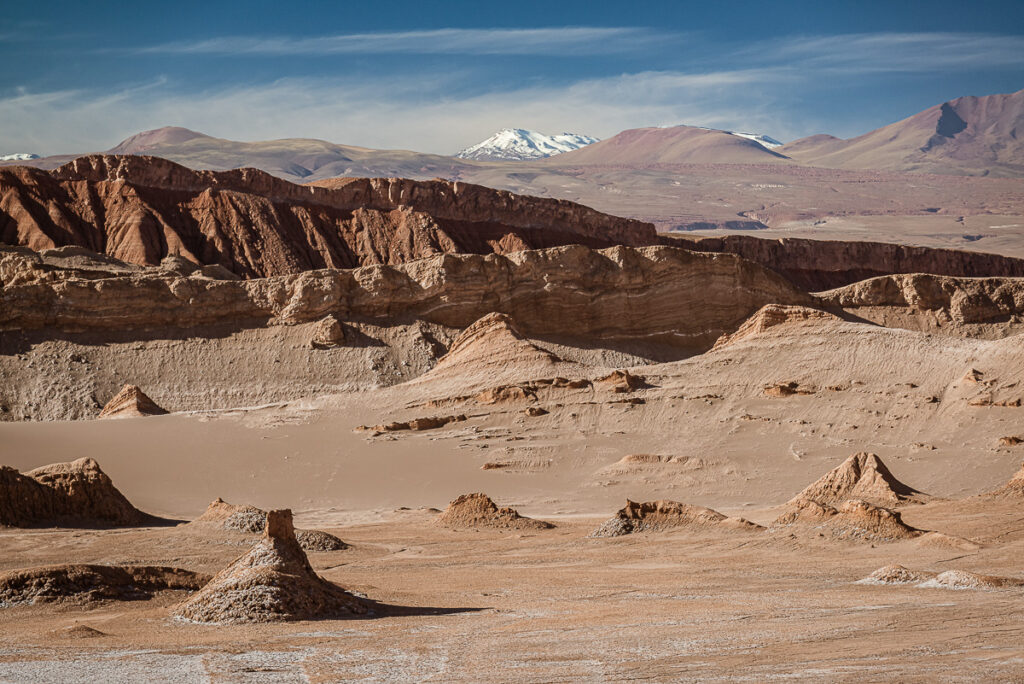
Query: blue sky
x,y
80,76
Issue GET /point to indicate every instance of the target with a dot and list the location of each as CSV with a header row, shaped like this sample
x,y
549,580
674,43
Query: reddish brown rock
x,y
73,494
143,209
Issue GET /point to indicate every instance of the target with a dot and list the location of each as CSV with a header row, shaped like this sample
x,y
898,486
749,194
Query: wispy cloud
x,y
892,52
571,40
412,113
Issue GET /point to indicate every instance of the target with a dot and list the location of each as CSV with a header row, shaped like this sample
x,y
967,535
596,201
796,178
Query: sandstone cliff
x,y
973,307
73,329
143,209
673,297
824,264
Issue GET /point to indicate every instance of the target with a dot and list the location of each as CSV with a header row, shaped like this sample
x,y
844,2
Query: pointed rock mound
x,y
272,582
472,511
75,494
770,316
87,583
656,516
131,402
862,476
854,520
492,350
249,519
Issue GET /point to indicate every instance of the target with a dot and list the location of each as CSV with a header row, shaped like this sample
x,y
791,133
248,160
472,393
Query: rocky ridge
x,y
668,296
817,265
143,209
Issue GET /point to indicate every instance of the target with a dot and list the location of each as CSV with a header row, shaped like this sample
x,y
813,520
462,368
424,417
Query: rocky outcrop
x,y
960,303
861,476
473,511
854,520
658,516
143,209
131,402
88,583
272,582
249,519
72,494
670,297
825,264
771,316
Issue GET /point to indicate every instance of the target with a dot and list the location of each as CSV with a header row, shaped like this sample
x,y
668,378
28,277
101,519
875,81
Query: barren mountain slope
x,y
968,135
641,147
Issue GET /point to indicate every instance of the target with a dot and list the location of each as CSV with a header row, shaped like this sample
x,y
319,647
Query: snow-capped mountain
x,y
18,156
519,144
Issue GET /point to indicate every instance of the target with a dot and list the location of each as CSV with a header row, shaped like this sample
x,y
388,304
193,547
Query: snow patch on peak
x,y
520,144
762,140
18,156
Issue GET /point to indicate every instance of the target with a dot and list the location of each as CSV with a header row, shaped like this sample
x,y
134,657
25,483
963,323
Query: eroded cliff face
x,y
73,331
142,209
972,307
817,265
680,298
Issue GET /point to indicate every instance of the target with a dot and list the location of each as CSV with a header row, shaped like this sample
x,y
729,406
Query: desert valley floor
x,y
562,436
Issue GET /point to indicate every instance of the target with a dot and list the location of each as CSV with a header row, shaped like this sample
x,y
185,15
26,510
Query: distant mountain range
x,y
520,144
967,136
976,136
18,156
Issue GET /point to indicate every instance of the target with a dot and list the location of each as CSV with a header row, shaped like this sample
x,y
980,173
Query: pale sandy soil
x,y
556,605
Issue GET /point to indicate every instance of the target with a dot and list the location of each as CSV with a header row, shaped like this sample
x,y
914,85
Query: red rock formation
x,y
142,209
